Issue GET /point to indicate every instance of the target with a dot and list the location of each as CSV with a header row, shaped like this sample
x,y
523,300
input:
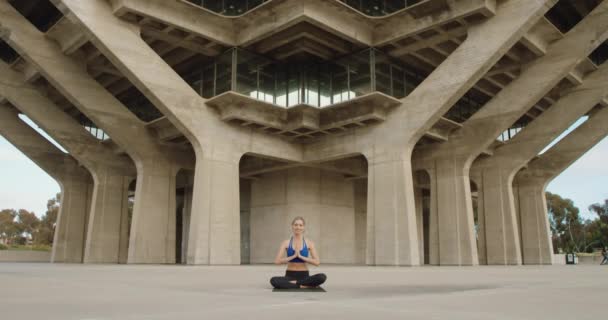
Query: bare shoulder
x,y
310,243
285,243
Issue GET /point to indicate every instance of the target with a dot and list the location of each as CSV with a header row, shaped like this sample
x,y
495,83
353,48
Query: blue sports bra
x,y
291,251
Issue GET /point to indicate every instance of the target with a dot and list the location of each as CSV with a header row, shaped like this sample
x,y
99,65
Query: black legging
x,y
302,279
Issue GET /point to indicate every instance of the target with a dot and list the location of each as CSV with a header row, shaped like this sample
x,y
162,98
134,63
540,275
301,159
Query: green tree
x,y
568,229
28,222
48,222
600,227
9,229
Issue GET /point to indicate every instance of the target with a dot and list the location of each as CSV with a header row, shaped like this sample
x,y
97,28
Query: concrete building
x,y
405,132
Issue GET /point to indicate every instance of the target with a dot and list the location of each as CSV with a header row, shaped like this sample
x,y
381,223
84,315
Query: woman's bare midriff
x,y
291,266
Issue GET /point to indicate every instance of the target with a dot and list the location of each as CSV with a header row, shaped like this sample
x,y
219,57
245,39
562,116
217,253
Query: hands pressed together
x,y
295,255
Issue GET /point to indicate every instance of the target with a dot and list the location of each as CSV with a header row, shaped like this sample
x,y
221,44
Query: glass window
x,y
383,75
398,82
314,83
208,81
223,73
360,81
247,72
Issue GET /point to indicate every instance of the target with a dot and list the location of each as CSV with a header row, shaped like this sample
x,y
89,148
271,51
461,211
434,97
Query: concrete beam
x,y
334,16
63,128
69,37
540,36
564,153
30,72
401,25
329,15
181,15
574,104
425,43
179,42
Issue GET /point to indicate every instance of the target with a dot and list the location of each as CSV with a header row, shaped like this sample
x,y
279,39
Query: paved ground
x,y
55,291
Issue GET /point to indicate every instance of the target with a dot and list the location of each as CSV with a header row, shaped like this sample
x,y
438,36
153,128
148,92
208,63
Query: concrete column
x,y
108,202
537,247
499,170
213,140
108,209
391,213
453,158
457,243
72,221
215,221
75,182
155,163
532,181
153,223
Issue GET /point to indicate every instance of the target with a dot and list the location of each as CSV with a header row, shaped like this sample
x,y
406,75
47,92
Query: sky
x,y
23,185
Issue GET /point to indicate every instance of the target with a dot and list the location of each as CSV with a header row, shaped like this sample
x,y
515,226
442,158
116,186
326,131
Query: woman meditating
x,y
296,252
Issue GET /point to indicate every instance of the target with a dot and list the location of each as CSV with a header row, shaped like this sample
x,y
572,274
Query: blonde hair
x,y
298,218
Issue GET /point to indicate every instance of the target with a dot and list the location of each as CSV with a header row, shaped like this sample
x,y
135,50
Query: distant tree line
x,y
21,227
572,233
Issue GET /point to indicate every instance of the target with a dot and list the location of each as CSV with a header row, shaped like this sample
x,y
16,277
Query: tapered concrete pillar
x,y
215,232
498,171
423,107
75,182
72,221
537,247
154,181
453,159
218,146
108,204
108,210
155,163
391,213
531,182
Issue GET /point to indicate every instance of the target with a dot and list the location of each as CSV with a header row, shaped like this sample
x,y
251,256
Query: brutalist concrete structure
x,y
405,132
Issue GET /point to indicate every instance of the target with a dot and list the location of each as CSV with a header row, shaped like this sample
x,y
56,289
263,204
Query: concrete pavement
x,y
66,291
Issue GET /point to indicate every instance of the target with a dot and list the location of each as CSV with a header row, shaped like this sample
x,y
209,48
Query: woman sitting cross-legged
x,y
296,252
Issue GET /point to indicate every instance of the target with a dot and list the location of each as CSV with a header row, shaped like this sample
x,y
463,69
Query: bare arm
x,y
314,257
280,258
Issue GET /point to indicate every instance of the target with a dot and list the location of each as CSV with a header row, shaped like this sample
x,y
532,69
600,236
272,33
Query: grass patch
x,y
18,247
